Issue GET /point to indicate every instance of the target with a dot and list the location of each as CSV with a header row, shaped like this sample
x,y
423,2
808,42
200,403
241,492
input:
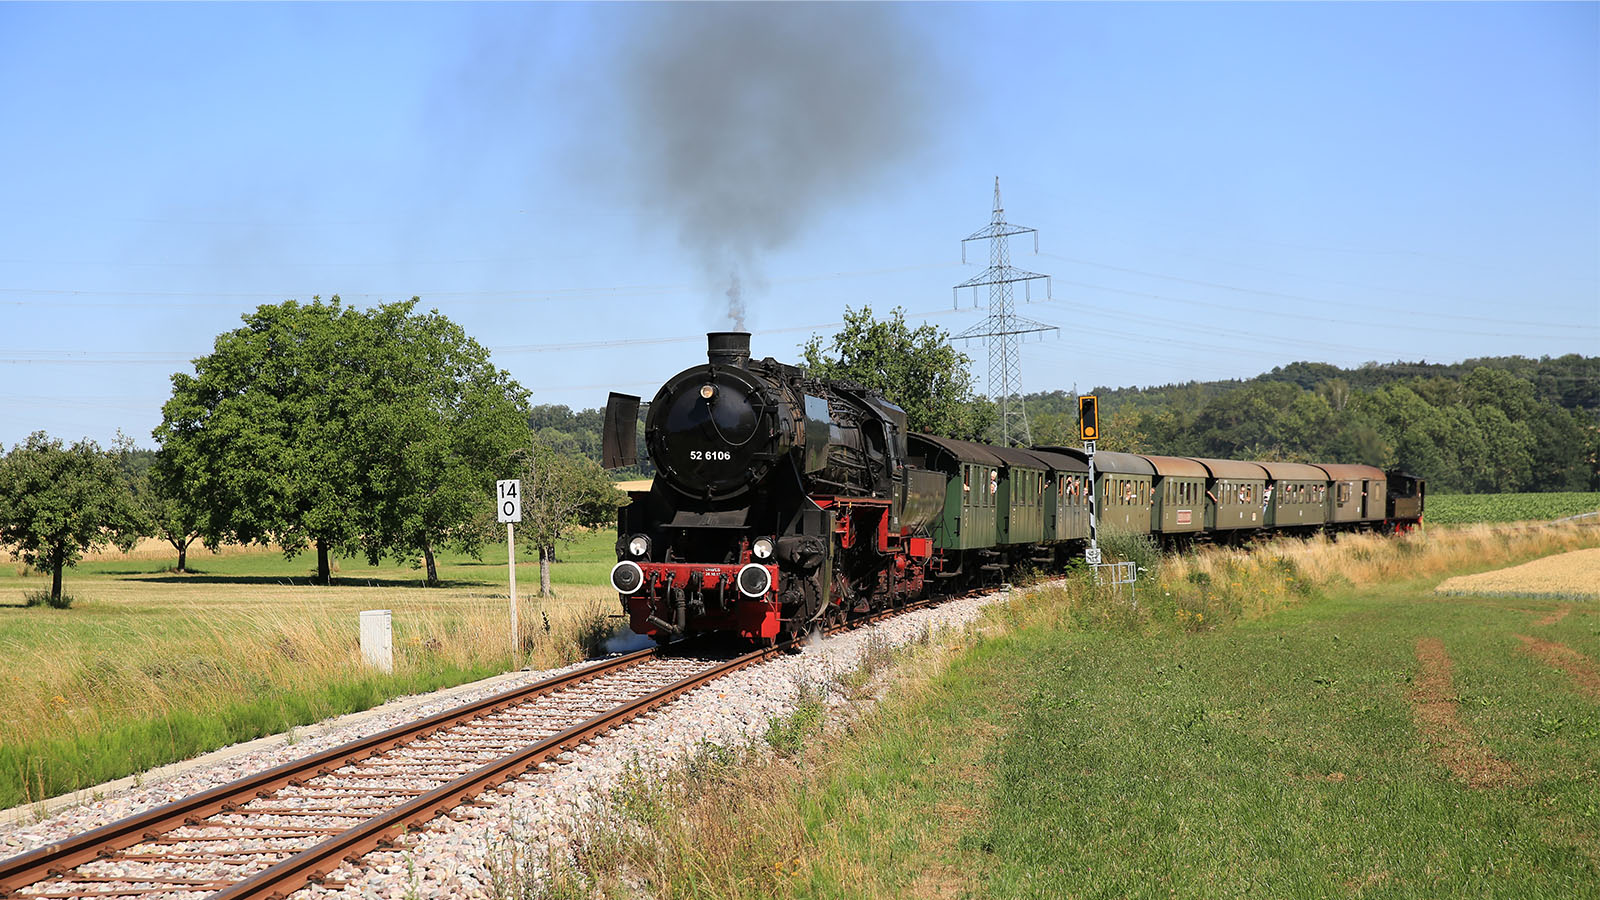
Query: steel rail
x,y
60,856
282,879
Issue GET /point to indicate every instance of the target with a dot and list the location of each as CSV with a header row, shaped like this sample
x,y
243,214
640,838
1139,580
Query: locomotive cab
x,y
1405,499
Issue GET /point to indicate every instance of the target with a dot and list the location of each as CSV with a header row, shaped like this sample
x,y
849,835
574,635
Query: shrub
x,y
1139,549
43,598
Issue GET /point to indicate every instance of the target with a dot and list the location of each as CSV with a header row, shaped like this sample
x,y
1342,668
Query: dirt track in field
x,y
1436,711
1574,574
1579,667
1556,616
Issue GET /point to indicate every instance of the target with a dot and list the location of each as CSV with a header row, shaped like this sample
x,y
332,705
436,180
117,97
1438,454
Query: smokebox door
x,y
619,441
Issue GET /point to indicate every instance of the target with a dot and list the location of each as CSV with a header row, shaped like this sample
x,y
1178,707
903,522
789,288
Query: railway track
x,y
271,833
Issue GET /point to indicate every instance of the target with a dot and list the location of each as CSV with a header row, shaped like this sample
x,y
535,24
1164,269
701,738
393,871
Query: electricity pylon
x,y
1003,327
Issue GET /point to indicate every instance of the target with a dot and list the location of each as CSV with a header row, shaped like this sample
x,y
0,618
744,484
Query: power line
x,y
73,357
1283,296
1331,320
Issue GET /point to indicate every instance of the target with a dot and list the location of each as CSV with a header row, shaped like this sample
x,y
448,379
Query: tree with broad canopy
x,y
59,502
318,424
914,368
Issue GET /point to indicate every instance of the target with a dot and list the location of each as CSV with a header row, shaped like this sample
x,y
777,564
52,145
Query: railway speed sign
x,y
509,500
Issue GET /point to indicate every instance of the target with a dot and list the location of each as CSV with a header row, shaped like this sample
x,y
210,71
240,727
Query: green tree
x,y
351,431
1249,423
915,368
262,430
58,502
176,519
437,424
561,494
168,514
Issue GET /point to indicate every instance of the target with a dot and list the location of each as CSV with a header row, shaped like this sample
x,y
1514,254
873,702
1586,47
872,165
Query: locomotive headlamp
x,y
762,549
707,390
755,581
639,546
627,577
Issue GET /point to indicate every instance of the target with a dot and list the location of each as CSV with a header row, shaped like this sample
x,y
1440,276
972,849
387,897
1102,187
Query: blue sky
x,y
1218,189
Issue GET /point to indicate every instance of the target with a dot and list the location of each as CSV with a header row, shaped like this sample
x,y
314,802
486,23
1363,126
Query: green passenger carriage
x,y
971,491
1356,494
1066,504
1180,495
1125,482
1235,494
1021,497
1297,495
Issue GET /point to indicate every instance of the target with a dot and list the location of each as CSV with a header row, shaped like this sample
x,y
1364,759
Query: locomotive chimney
x,y
728,348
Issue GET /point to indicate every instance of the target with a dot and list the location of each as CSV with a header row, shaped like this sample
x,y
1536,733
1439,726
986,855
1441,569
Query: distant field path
x,y
1575,574
1435,709
1581,668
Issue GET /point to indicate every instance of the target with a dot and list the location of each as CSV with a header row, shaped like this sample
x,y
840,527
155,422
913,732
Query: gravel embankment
x,y
448,859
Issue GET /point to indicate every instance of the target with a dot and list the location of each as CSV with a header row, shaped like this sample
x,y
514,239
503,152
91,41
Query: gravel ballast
x,y
449,857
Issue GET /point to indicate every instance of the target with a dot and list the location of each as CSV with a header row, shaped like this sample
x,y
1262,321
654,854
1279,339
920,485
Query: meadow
x,y
1308,720
148,666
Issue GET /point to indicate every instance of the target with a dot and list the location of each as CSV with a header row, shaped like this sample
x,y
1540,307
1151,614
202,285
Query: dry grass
x,y
194,645
1211,586
155,548
1575,574
1231,582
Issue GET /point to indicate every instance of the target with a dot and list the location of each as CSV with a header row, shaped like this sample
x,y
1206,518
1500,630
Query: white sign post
x,y
508,493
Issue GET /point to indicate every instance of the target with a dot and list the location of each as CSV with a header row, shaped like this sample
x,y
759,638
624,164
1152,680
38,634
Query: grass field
x,y
1347,734
1457,509
148,667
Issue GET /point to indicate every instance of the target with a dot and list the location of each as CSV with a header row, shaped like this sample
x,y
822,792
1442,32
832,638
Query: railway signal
x,y
1088,418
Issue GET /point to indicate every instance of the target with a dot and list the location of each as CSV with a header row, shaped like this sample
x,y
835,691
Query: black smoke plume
x,y
741,123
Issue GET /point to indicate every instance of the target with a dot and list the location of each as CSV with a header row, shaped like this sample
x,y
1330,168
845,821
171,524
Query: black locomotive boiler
x,y
780,501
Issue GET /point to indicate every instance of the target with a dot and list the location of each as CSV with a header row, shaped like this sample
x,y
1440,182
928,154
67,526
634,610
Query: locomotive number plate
x,y
711,455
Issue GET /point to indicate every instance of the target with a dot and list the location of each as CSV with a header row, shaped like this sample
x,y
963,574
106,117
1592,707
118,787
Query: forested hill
x,y
1483,425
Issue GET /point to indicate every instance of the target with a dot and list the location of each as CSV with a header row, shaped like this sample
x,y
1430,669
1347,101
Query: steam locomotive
x,y
783,502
